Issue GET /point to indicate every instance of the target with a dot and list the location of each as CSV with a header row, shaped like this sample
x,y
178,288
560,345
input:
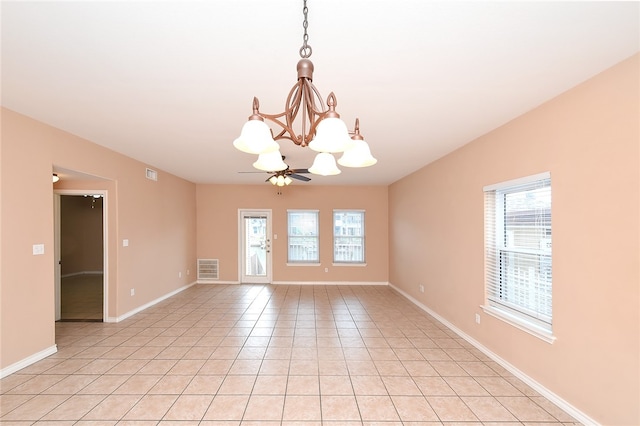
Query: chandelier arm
x,y
293,103
303,94
305,110
315,115
315,97
309,114
289,114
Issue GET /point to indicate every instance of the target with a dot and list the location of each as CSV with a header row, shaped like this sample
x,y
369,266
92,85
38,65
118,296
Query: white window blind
x,y
518,250
303,236
348,236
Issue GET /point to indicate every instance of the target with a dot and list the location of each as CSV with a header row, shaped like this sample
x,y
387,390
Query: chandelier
x,y
322,130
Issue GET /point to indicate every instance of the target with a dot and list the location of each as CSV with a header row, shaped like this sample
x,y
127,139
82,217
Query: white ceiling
x,y
171,83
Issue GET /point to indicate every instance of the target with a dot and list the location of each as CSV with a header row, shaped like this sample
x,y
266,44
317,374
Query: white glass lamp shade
x,y
332,136
256,138
280,181
287,180
359,155
273,179
324,165
270,162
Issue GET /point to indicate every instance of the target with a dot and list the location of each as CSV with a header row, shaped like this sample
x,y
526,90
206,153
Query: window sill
x,y
348,264
519,323
302,264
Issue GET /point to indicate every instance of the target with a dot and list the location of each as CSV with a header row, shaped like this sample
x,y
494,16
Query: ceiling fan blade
x,y
299,171
299,177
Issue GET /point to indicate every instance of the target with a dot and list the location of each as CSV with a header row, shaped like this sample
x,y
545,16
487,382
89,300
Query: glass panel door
x,y
255,263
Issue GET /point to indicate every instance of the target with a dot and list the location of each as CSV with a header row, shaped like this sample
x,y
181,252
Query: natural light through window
x,y
518,270
348,236
303,236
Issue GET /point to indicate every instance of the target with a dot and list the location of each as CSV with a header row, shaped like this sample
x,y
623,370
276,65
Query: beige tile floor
x,y
271,355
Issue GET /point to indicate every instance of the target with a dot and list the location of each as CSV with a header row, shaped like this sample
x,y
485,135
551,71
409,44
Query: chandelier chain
x,y
305,50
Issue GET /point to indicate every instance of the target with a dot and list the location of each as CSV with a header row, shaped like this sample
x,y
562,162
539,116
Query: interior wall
x,y
81,234
588,138
158,219
218,207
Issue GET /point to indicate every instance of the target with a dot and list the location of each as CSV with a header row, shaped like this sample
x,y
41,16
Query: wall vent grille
x,y
208,269
151,174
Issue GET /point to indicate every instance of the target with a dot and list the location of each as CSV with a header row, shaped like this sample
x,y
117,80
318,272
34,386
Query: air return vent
x,y
152,174
207,270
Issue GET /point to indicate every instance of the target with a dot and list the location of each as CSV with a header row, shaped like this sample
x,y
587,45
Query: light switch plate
x,y
38,249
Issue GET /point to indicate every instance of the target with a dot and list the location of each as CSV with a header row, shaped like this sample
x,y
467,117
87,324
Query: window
x,y
518,253
303,236
348,236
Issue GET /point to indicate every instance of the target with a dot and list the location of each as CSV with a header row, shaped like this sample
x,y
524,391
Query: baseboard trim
x,y
150,304
352,283
381,283
28,361
557,400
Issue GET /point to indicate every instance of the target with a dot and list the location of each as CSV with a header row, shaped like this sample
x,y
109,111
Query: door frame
x,y
241,249
57,193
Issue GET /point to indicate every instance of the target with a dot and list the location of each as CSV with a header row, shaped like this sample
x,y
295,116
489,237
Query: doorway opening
x,y
80,255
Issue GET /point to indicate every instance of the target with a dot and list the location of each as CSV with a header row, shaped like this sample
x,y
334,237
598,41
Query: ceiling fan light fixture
x,y
255,137
324,165
270,162
280,179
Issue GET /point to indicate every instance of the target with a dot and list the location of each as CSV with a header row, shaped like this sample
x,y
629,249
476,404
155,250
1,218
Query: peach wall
x,y
158,218
218,228
27,218
588,138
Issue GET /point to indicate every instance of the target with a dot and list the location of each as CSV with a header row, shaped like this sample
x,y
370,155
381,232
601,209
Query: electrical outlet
x,y
179,274
421,288
133,291
188,271
326,269
477,318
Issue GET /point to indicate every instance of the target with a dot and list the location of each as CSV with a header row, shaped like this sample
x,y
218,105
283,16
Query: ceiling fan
x,y
285,176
